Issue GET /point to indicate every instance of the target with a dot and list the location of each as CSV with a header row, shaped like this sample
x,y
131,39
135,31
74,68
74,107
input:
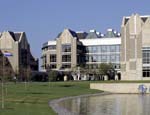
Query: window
x,y
90,58
66,48
52,66
90,49
99,49
66,58
104,58
52,47
103,48
53,58
108,58
117,58
117,48
108,48
87,58
87,49
94,58
99,58
94,49
112,58
66,66
146,56
146,71
112,48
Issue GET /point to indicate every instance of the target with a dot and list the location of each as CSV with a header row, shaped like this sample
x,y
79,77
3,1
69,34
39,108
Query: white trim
x,y
51,43
144,16
135,24
136,49
125,37
146,65
79,31
101,41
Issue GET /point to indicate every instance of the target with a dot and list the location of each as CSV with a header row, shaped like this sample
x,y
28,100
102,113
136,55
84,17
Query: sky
x,y
42,20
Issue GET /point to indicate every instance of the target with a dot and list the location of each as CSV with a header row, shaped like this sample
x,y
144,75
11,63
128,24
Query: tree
x,y
52,75
105,69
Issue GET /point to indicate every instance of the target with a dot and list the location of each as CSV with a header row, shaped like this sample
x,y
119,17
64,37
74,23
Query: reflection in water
x,y
115,104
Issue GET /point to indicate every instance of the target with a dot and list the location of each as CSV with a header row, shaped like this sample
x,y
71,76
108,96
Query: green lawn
x,y
34,100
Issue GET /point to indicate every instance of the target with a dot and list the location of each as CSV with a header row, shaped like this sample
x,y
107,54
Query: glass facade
x,y
103,54
102,48
87,55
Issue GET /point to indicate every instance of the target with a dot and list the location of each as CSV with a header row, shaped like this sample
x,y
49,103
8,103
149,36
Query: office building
x,y
135,47
70,49
20,61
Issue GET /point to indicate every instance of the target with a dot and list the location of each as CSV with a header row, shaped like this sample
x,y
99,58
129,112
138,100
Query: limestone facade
x,y
21,60
135,35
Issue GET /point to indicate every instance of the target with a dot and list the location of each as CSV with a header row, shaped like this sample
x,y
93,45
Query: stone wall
x,y
120,87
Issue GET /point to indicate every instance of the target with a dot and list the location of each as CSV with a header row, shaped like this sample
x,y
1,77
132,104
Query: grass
x,y
34,99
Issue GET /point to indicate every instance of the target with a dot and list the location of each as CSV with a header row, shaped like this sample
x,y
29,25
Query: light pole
x,y
3,85
5,54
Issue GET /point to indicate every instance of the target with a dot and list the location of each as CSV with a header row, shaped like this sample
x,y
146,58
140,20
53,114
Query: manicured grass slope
x,y
34,99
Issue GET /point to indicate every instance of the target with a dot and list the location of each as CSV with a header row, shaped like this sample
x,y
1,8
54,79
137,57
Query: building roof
x,y
81,35
72,33
15,36
143,18
110,34
92,34
101,41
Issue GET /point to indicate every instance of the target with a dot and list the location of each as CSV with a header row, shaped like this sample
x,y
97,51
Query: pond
x,y
113,104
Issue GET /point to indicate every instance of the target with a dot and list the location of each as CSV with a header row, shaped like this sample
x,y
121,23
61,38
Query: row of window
x,y
96,66
103,48
90,66
54,66
103,58
51,47
65,58
89,58
89,49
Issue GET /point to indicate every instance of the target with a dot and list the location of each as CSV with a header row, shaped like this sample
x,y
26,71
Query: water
x,y
114,104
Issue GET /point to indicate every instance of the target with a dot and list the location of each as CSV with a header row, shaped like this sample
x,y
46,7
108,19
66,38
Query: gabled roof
x,y
72,33
81,35
92,35
126,20
15,36
110,34
59,35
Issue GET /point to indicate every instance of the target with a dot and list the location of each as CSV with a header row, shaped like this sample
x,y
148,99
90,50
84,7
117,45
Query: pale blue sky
x,y
42,20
